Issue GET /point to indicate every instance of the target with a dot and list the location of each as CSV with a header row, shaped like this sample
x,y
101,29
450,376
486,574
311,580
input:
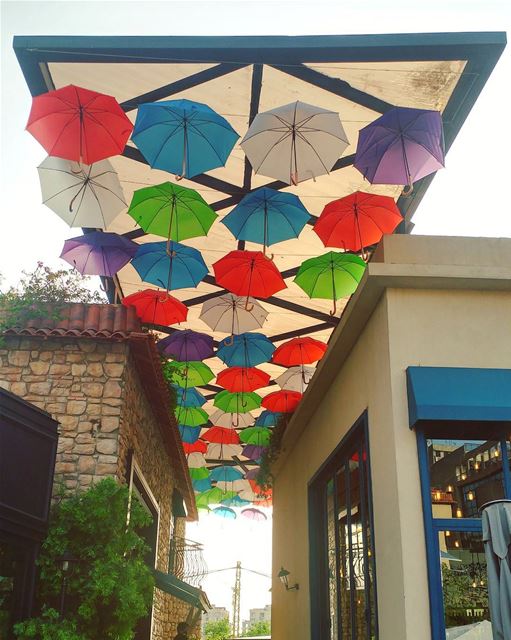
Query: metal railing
x,y
186,561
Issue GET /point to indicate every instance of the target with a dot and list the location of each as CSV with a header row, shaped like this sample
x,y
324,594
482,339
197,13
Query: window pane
x,y
464,585
332,560
464,475
343,554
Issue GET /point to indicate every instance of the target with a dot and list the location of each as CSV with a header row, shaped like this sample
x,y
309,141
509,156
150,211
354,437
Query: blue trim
x,y
506,472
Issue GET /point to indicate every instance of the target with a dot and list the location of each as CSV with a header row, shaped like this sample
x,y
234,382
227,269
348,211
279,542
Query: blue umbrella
x,y
245,350
202,485
189,434
174,267
188,397
183,137
236,501
225,474
224,512
267,216
267,419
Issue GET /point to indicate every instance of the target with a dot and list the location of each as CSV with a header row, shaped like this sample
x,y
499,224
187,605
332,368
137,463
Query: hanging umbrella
x,y
401,146
245,350
169,265
82,195
259,491
295,142
259,436
252,474
237,379
225,473
331,276
237,402
236,501
282,401
254,514
224,512
183,137
496,521
299,351
226,419
188,397
267,216
221,435
231,314
78,124
249,495
195,447
214,496
186,345
191,416
156,307
188,374
268,502
98,253
201,485
189,434
171,211
295,378
357,221
233,485
267,418
199,473
253,451
223,451
196,460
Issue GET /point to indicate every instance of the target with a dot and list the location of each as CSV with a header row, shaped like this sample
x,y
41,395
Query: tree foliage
x,y
261,628
109,586
218,629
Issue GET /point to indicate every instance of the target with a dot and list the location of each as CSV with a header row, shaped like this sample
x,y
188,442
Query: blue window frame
x,y
459,526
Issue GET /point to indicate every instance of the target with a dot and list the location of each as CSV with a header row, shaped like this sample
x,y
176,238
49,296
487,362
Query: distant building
x,y
215,614
257,615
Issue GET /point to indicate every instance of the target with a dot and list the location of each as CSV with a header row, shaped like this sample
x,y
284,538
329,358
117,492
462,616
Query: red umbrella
x,y
221,435
248,273
357,221
299,351
242,379
265,494
78,124
263,503
282,401
197,447
156,307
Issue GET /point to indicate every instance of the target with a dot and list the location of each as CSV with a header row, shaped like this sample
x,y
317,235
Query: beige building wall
x,y
425,301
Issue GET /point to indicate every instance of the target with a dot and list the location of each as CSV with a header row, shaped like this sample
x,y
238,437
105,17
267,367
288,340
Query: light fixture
x,y
470,495
282,576
457,544
449,488
459,513
447,534
438,496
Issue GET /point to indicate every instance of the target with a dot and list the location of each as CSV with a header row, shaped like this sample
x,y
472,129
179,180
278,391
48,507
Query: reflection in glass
x,y
332,560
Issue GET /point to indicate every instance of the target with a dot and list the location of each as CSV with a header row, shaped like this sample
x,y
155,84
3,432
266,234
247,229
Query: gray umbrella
x,y
497,544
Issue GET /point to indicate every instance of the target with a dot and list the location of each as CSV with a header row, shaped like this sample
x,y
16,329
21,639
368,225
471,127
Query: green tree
x,y
109,586
218,629
261,628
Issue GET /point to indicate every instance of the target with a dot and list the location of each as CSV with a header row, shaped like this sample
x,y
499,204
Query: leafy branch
x,y
271,453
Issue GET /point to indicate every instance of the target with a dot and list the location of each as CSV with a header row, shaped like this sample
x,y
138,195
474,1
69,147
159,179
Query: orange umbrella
x,y
299,351
282,401
156,307
221,435
242,379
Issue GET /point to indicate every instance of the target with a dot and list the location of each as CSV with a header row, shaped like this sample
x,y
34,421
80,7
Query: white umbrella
x,y
234,485
228,313
82,195
196,460
295,378
223,451
295,142
239,420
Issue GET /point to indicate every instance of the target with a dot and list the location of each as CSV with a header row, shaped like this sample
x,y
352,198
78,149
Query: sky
x,y
468,198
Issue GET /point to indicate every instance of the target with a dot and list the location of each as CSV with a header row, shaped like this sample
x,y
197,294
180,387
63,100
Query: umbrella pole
x,y
170,224
185,151
334,297
365,256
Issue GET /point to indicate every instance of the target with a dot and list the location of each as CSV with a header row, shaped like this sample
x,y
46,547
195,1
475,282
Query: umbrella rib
x,y
199,133
102,186
272,148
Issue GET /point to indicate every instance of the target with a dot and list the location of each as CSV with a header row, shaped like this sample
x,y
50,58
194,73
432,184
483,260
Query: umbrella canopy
x,y
357,221
237,402
196,460
82,195
183,137
267,216
253,451
231,314
233,485
252,474
78,124
248,273
295,378
195,447
188,374
331,276
299,351
199,473
295,142
401,146
171,211
188,397
237,379
259,436
226,419
282,401
224,512
189,434
213,496
156,307
249,495
186,345
191,416
245,350
170,265
496,521
223,451
235,501
201,485
221,435
267,419
225,473
254,514
98,253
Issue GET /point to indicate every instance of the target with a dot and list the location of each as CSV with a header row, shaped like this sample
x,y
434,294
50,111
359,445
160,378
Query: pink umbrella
x,y
254,514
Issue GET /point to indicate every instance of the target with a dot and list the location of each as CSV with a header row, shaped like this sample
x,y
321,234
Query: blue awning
x,y
458,394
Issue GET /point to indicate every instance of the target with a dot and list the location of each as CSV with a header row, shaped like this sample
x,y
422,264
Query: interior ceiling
x,y
239,92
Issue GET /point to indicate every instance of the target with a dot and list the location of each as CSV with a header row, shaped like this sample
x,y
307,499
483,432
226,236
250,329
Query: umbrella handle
x,y
248,306
104,288
408,190
294,178
334,310
229,341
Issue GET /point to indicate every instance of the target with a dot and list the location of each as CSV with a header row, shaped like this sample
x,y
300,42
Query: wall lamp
x,y
283,577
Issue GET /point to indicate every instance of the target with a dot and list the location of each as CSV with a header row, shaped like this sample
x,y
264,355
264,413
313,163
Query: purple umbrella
x,y
187,346
253,451
252,474
401,146
98,253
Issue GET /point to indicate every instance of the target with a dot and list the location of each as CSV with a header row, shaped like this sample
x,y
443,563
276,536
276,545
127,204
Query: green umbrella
x,y
199,473
171,211
331,276
187,374
191,416
242,402
213,496
258,436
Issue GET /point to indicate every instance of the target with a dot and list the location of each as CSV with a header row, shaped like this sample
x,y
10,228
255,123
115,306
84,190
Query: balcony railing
x,y
186,561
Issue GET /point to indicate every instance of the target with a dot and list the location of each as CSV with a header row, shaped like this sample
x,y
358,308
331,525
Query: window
x,y
458,476
343,599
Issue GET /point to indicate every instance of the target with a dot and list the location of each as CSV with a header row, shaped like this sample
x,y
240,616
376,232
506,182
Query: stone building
x,y
98,374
